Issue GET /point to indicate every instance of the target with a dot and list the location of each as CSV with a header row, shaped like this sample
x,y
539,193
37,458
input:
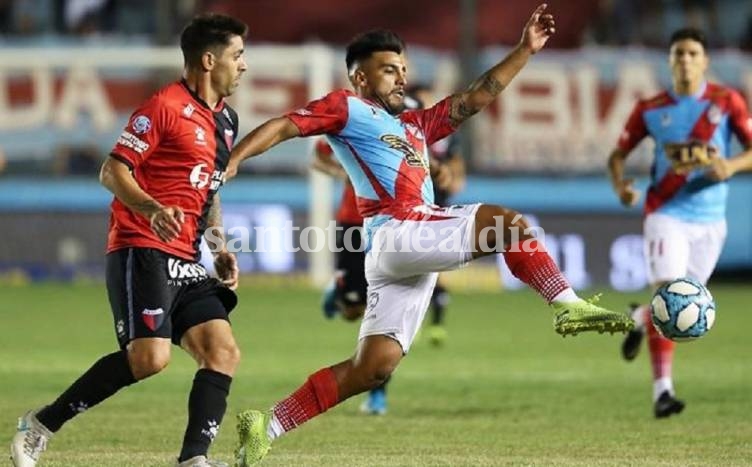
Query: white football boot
x,y
29,442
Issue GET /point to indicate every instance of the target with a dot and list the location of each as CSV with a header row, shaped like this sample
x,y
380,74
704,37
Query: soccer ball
x,y
683,310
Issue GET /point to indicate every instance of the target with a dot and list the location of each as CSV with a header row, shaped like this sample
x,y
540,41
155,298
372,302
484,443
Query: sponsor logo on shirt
x,y
200,178
182,272
141,124
131,141
188,110
412,158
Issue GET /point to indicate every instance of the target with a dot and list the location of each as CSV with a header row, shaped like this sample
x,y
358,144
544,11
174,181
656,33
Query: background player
x,y
164,171
383,150
685,224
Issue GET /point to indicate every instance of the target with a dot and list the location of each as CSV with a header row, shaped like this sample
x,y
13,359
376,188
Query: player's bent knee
x,y
223,358
145,362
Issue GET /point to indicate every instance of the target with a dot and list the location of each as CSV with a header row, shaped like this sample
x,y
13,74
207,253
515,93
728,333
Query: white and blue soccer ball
x,y
683,310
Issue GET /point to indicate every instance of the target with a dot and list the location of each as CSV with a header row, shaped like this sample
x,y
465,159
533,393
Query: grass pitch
x,y
505,390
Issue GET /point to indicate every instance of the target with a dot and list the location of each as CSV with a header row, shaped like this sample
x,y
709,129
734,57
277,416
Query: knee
x,y
353,312
148,362
378,375
223,358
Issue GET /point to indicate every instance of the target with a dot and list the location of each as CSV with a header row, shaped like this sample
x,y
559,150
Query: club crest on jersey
x,y
141,124
412,158
229,137
188,110
153,319
200,136
714,114
414,130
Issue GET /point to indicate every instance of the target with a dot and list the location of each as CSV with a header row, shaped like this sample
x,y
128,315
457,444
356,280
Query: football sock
x,y
106,377
661,358
207,403
537,269
641,315
316,396
439,301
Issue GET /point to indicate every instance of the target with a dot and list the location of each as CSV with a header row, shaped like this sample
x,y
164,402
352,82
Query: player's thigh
x,y
666,248
140,293
705,249
201,302
442,240
396,307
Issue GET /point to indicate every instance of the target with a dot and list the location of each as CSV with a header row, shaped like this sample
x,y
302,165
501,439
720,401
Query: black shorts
x,y
351,286
154,294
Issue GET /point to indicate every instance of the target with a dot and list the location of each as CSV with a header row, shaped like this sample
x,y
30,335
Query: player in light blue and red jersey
x,y
408,239
685,221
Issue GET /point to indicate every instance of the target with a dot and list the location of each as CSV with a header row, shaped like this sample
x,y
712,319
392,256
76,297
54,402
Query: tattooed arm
x,y
225,263
490,84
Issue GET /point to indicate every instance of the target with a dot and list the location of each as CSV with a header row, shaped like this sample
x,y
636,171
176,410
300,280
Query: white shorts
x,y
403,264
674,248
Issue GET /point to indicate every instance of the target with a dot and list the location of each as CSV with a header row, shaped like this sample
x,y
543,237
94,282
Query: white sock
x,y
275,429
638,315
567,296
661,385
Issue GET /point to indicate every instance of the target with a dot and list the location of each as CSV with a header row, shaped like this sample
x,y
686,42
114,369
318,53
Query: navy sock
x,y
106,377
206,407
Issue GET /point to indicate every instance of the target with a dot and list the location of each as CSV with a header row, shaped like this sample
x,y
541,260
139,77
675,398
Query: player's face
x,y
385,78
688,61
228,68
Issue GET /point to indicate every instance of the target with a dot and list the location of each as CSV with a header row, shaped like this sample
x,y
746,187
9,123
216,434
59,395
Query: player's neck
x,y
200,85
687,88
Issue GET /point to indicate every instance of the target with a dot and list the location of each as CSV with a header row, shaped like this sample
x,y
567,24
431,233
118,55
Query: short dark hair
x,y
377,40
206,32
691,34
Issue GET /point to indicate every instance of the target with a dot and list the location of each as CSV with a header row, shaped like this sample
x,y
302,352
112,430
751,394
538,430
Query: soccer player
x,y
383,151
685,224
164,172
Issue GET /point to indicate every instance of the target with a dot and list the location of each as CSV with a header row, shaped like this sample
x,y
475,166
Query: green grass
x,y
505,390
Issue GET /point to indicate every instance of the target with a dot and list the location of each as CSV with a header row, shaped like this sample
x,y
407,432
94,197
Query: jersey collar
x,y
197,98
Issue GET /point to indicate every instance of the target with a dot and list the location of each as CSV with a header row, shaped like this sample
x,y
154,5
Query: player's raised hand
x,y
628,194
226,266
538,29
167,222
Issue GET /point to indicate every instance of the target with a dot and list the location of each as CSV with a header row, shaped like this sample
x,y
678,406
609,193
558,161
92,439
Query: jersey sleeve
x,y
741,121
634,130
434,121
327,115
143,133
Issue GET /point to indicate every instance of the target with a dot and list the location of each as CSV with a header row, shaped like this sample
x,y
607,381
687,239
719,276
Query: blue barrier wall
x,y
581,195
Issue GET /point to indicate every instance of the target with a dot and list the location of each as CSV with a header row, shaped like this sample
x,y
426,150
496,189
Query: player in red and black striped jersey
x,y
165,171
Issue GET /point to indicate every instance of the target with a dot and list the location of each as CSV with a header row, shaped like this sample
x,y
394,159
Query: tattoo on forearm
x,y
214,216
460,111
492,85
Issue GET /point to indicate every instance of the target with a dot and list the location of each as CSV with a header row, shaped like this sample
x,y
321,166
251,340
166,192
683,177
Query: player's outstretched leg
x,y
107,376
500,229
376,358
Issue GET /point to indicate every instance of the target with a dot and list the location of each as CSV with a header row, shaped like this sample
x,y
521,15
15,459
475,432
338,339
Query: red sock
x,y
661,350
317,395
536,268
